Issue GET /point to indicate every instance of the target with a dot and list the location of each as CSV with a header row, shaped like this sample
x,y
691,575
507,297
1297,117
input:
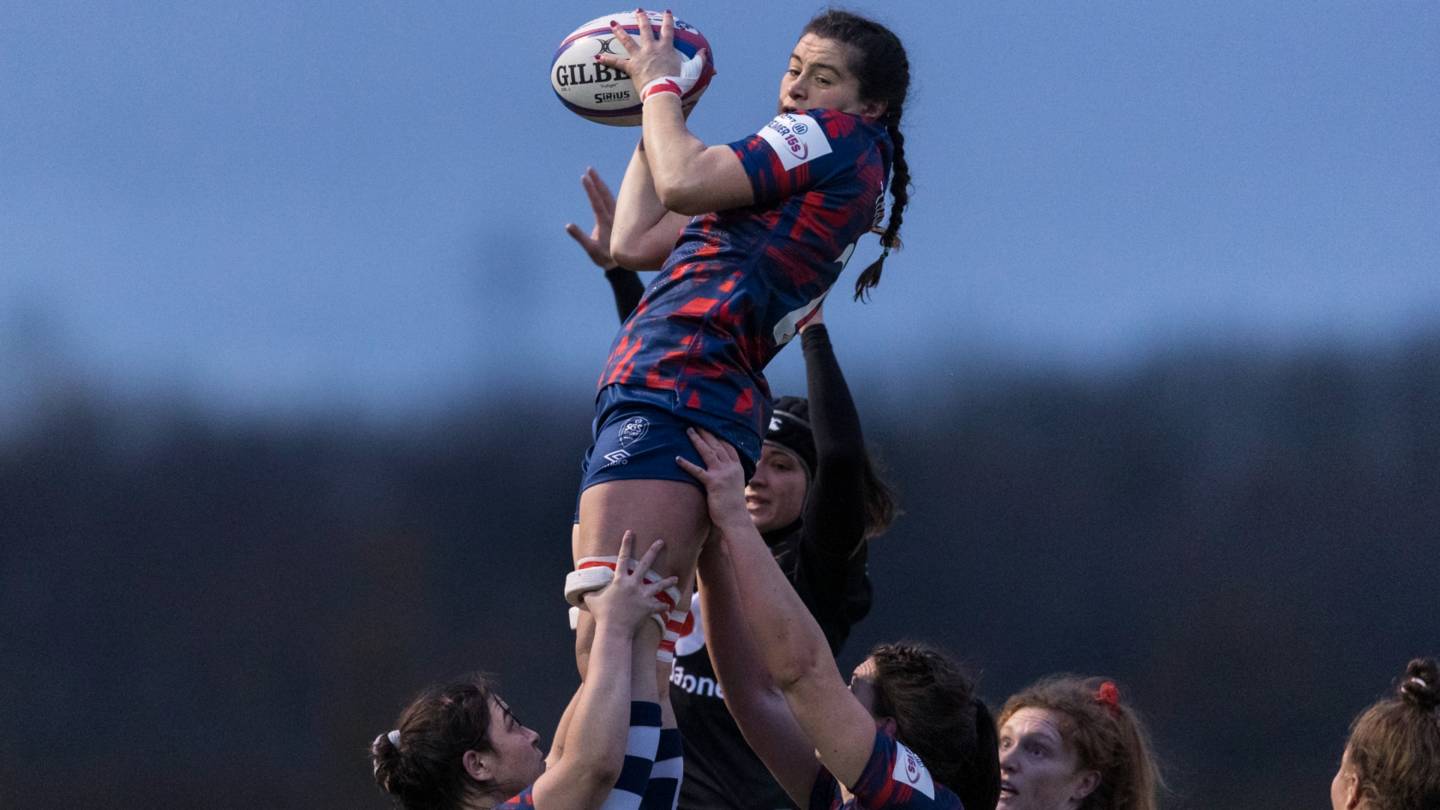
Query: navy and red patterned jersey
x,y
893,778
519,801
739,283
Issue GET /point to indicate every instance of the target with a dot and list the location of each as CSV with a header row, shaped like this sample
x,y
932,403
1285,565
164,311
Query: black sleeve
x,y
627,288
830,565
835,510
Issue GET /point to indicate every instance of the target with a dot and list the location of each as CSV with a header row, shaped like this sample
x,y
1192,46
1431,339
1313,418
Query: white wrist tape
x,y
690,71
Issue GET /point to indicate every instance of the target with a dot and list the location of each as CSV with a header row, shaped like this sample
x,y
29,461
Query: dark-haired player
x,y
776,216
815,498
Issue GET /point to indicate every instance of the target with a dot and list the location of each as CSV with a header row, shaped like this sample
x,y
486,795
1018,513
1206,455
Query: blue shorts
x,y
638,432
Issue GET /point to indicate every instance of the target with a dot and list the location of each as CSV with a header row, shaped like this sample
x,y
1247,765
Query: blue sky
x,y
271,206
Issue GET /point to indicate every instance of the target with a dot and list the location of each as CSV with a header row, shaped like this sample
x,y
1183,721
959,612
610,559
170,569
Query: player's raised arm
x,y
790,644
757,704
688,177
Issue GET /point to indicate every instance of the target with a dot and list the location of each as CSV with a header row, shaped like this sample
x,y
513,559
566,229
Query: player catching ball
x,y
766,225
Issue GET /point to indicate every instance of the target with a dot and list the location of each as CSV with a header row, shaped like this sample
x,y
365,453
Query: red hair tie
x,y
1108,695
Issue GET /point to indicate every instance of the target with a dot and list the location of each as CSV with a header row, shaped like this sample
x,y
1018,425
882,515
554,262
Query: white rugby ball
x,y
606,95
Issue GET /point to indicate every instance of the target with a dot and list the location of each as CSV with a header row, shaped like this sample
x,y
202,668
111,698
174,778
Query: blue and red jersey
x,y
894,778
519,801
739,283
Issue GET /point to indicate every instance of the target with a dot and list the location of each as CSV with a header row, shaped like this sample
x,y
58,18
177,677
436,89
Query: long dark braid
x,y
900,190
883,70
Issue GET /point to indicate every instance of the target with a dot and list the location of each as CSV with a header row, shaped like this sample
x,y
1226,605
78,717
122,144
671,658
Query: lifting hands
x,y
723,479
630,596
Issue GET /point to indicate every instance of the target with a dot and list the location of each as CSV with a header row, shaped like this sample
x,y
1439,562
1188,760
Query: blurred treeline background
x,y
221,612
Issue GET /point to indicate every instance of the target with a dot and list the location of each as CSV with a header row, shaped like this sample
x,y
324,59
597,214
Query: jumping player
x,y
815,498
776,216
460,747
909,732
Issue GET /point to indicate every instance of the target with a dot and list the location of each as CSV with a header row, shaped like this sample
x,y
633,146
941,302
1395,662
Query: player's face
x,y
818,77
1038,769
518,758
776,493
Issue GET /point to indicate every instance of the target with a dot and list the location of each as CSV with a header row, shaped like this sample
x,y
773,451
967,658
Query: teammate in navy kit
x,y
460,746
909,732
815,498
776,216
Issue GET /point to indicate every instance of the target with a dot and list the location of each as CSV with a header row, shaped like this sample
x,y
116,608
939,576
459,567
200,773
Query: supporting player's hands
x,y
723,479
628,602
596,244
653,57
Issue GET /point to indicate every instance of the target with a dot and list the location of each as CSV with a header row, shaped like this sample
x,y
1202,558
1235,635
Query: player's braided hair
x,y
883,70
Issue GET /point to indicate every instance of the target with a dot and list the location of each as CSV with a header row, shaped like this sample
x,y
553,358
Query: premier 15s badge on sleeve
x,y
910,770
796,138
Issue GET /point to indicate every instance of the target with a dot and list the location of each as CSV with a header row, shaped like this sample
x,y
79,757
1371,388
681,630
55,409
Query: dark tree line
x,y
205,613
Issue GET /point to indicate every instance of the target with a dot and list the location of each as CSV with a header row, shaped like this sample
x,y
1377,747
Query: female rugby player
x,y
815,498
1392,759
909,731
1070,743
776,216
459,746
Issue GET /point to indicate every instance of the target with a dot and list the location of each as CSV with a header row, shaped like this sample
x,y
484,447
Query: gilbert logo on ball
x,y
607,95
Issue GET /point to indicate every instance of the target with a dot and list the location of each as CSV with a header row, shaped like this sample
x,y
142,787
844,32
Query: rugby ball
x,y
606,95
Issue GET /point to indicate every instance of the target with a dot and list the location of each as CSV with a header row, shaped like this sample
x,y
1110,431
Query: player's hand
x,y
596,244
650,56
723,478
628,602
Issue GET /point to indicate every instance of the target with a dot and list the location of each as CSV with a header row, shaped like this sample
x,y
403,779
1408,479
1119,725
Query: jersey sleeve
x,y
520,801
797,151
895,777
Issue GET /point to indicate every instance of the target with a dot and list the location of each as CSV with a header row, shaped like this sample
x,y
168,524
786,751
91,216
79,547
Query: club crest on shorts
x,y
633,430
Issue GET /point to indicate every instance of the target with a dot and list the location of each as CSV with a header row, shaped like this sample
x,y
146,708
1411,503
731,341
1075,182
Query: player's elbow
x,y
801,666
634,252
599,775
683,195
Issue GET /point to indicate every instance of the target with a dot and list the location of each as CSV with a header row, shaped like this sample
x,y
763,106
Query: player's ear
x,y
873,109
478,765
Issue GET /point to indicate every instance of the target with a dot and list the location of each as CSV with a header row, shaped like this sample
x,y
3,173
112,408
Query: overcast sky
x,y
264,204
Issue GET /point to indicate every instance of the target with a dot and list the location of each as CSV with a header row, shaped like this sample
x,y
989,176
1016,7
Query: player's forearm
x,y
557,746
638,212
758,707
789,642
834,511
595,745
672,152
